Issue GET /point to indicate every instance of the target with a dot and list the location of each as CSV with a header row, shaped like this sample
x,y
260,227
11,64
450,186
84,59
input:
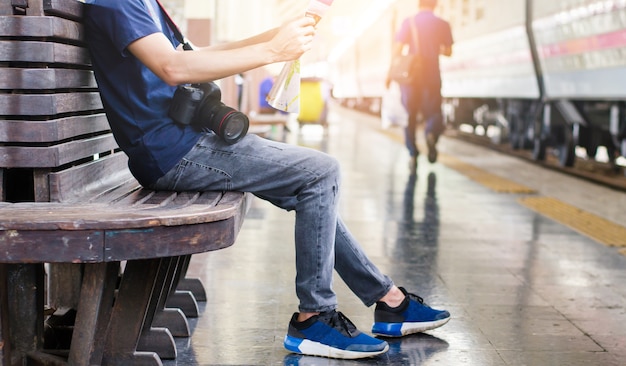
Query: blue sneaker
x,y
331,334
412,316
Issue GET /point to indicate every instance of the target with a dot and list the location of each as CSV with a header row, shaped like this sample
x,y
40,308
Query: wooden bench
x,y
76,230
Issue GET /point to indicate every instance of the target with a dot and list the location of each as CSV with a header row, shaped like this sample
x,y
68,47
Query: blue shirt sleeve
x,y
124,21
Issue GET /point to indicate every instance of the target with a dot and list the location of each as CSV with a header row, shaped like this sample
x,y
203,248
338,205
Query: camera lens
x,y
227,123
230,124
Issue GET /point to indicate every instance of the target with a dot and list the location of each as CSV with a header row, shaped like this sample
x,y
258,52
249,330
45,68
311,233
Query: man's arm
x,y
446,45
176,67
446,50
396,51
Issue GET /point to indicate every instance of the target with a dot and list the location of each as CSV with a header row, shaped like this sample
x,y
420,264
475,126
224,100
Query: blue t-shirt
x,y
432,33
135,100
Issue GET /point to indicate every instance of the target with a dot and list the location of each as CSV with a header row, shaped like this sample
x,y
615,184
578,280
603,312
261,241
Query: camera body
x,y
200,105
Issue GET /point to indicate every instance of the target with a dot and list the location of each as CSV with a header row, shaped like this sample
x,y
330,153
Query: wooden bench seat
x,y
104,232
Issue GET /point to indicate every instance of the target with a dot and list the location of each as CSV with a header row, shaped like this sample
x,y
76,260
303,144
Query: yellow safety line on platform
x,y
494,182
588,224
595,227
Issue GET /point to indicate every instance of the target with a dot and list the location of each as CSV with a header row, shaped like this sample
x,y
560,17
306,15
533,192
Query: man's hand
x,y
293,39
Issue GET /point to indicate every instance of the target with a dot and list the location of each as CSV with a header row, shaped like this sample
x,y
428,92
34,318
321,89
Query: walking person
x,y
139,62
422,98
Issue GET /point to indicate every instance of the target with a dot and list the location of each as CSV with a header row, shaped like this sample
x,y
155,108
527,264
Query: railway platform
x,y
531,263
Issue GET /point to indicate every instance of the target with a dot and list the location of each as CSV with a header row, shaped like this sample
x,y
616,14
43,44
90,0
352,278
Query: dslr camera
x,y
200,105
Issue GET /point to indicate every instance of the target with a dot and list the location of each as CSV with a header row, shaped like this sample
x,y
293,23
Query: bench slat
x,y
52,130
56,155
93,179
172,240
71,9
40,26
92,216
17,246
46,79
43,52
57,232
48,104
5,9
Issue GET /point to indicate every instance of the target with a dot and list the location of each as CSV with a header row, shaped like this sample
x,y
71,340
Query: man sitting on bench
x,y
138,63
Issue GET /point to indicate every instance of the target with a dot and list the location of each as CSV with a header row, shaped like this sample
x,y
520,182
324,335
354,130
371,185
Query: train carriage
x,y
580,47
545,75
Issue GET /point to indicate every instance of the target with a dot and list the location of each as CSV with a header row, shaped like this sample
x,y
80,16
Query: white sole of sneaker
x,y
412,328
310,348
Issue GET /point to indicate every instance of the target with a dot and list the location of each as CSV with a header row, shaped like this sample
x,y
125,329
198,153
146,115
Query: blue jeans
x,y
293,178
425,100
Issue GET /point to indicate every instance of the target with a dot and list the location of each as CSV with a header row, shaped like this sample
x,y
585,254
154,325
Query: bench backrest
x,y
55,141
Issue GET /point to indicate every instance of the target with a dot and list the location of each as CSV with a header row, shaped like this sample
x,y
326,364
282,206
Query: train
x,y
546,76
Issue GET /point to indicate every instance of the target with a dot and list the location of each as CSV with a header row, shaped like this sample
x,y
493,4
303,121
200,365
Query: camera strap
x,y
177,33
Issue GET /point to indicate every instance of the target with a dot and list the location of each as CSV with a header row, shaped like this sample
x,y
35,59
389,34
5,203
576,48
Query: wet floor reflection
x,y
425,232
417,238
413,350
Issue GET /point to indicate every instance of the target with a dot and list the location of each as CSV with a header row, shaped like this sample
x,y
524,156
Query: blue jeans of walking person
x,y
293,178
422,102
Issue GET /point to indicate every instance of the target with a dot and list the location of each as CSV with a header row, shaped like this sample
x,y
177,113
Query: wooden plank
x,y
5,343
77,217
172,240
53,246
64,282
55,155
120,192
40,27
35,7
159,340
26,299
93,313
46,79
19,3
48,104
89,180
43,52
41,186
6,8
52,130
130,308
71,9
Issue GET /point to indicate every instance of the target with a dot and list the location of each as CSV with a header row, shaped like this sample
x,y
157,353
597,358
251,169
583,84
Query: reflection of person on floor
x,y
138,63
431,212
419,240
423,96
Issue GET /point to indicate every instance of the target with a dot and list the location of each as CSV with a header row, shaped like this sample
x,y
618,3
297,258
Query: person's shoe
x,y
412,316
431,142
331,334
